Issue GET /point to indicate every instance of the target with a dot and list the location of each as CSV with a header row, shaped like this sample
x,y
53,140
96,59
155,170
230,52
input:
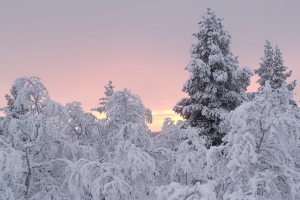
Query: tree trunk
x,y
28,177
186,181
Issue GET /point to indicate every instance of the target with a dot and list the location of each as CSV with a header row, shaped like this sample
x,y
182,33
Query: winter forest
x,y
231,145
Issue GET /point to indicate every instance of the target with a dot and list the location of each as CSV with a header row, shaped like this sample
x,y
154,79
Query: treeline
x,y
232,145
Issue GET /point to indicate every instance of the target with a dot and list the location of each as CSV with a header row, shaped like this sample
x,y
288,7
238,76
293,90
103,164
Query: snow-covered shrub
x,y
175,191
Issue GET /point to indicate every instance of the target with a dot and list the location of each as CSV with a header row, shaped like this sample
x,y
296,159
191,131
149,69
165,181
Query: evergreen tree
x,y
279,77
109,90
272,69
265,69
216,84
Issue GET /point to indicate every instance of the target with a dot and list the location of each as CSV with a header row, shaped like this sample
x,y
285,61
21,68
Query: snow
x,y
49,151
148,197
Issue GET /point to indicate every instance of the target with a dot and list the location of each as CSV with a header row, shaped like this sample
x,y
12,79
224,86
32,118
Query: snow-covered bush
x,y
175,191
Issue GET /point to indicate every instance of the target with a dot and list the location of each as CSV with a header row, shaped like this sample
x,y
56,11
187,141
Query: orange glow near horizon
x,y
158,118
77,47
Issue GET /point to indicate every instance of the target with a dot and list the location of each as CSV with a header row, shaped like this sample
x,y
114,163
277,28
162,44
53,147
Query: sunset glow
x,y
139,45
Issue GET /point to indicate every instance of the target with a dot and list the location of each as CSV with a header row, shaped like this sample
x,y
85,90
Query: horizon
x,y
76,48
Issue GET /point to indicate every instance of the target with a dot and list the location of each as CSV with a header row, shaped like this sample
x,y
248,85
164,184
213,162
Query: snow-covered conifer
x,y
272,69
265,71
109,90
279,77
216,84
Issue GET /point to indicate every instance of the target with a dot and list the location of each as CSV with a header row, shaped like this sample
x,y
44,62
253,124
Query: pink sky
x,y
75,46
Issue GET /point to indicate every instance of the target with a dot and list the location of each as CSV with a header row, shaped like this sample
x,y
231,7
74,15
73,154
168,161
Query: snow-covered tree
x,y
169,136
175,191
127,138
33,128
189,162
166,142
137,166
216,84
164,160
272,69
216,170
262,145
126,119
109,90
265,71
279,77
77,123
25,125
10,171
97,181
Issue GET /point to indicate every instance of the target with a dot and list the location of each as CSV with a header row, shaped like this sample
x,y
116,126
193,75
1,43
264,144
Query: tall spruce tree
x,y
279,77
216,84
273,70
265,70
